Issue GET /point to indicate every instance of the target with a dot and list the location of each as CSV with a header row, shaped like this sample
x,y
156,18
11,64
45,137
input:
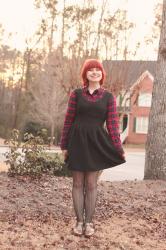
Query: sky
x,y
20,18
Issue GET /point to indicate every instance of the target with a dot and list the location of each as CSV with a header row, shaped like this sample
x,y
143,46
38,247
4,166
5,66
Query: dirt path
x,y
130,215
3,167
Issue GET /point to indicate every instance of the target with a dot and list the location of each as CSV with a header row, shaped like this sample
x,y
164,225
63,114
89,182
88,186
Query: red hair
x,y
88,64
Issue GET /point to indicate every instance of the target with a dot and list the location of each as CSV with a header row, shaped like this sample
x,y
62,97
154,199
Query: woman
x,y
87,146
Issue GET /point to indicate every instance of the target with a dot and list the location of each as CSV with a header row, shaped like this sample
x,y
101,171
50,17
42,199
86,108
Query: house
x,y
137,77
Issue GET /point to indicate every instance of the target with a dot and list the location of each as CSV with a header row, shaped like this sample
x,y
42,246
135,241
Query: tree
x,y
98,37
48,98
155,160
116,31
152,38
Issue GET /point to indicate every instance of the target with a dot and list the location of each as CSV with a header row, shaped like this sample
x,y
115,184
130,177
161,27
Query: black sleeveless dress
x,y
89,145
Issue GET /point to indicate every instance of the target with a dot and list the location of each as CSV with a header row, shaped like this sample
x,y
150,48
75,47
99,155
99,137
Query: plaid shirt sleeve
x,y
69,118
112,123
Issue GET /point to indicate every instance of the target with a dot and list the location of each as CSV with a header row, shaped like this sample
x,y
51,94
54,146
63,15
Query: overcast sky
x,y
20,17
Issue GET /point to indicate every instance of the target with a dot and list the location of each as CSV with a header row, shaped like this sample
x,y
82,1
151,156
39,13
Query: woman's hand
x,y
65,153
123,156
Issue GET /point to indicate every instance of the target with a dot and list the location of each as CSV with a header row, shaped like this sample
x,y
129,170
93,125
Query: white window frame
x,y
145,99
142,124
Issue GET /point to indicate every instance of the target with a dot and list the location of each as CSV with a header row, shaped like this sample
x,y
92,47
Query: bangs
x,y
92,63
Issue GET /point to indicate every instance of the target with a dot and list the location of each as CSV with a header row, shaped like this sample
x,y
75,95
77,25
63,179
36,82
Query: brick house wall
x,y
136,111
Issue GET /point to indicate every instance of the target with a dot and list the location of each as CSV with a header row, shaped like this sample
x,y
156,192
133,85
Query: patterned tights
x,y
84,193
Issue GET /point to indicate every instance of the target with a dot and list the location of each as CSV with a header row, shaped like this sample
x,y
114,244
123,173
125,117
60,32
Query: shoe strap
x,y
79,223
89,224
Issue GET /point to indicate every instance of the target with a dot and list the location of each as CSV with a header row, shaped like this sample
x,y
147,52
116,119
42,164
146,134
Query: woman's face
x,y
94,75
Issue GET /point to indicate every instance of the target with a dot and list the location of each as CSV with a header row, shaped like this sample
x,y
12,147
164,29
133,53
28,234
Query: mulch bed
x,y
38,214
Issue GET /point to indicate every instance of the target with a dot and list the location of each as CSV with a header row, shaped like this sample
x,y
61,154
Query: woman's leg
x,y
78,194
90,194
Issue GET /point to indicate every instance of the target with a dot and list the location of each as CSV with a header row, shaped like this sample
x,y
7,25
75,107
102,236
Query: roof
x,y
127,72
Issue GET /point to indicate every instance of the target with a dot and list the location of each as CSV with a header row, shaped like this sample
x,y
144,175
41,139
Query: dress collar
x,y
98,90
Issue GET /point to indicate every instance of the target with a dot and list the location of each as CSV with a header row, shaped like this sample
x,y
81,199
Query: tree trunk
x,y
155,160
18,101
104,3
52,133
51,34
63,29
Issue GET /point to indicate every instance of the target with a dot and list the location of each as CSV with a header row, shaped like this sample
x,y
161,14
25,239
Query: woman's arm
x,y
69,118
112,123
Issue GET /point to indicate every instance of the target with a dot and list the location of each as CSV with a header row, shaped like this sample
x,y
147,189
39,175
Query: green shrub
x,y
30,158
53,163
32,127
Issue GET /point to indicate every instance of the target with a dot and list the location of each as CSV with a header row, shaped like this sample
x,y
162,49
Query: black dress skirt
x,y
89,145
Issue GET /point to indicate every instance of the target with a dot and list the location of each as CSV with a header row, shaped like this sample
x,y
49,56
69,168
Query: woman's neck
x,y
93,85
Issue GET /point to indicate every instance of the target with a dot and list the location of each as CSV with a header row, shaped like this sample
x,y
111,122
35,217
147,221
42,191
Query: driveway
x,y
131,170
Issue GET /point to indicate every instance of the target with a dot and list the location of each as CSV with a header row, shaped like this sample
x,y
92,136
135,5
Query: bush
x,y
53,164
31,158
32,127
37,130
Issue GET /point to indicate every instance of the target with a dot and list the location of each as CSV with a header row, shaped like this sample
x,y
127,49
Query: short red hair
x,y
88,64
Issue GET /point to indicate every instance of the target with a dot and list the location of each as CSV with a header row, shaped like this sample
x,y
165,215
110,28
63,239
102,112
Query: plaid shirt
x,y
112,123
69,118
112,119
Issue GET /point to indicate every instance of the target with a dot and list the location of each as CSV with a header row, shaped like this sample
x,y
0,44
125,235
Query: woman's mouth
x,y
95,76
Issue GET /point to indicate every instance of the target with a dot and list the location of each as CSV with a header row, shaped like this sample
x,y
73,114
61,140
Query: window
x,y
145,99
141,125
